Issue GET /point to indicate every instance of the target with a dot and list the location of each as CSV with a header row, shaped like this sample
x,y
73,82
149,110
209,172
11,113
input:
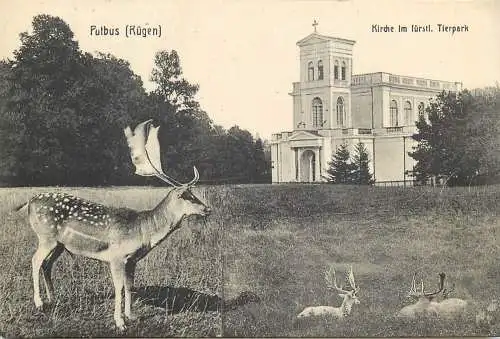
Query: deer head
x,y
349,296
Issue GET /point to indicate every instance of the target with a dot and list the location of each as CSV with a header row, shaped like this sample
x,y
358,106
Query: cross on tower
x,y
314,24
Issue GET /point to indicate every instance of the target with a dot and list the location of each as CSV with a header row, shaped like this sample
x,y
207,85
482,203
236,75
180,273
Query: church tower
x,y
322,99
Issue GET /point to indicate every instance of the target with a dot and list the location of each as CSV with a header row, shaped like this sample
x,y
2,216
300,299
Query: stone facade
x,y
332,106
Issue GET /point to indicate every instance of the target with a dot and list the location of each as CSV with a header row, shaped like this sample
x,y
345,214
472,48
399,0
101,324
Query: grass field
x,y
259,260
281,238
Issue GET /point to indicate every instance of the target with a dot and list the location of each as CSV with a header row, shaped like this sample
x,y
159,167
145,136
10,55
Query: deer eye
x,y
188,196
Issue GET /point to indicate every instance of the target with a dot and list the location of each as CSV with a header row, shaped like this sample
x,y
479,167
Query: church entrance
x,y
307,166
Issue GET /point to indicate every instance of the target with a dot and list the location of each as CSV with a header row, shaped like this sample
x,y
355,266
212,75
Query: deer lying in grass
x,y
349,298
428,306
117,236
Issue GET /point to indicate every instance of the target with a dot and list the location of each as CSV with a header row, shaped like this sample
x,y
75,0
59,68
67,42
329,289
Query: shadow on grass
x,y
180,299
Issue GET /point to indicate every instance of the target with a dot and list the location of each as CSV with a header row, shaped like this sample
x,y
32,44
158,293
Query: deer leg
x,y
42,252
118,276
47,270
129,284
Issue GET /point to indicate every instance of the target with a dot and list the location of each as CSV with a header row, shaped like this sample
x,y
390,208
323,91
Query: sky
x,y
243,53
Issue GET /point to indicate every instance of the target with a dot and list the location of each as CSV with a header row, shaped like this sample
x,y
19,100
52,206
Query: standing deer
x,y
349,298
117,236
428,306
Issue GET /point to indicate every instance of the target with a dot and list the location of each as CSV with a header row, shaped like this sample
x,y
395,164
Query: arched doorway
x,y
307,166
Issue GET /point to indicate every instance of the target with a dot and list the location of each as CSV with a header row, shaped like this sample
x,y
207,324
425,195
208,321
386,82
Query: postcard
x,y
236,168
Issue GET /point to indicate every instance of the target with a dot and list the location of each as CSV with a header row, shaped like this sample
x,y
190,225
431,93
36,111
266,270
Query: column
x,y
295,164
311,174
299,158
318,165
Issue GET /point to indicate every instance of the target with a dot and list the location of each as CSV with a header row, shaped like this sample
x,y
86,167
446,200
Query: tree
x,y
454,142
484,130
47,61
262,162
110,97
361,174
340,168
9,159
187,133
171,86
65,112
241,154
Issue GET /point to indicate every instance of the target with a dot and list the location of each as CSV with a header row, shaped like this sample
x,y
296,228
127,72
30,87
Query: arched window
x,y
320,70
340,112
343,70
408,113
336,70
310,71
394,113
421,110
317,110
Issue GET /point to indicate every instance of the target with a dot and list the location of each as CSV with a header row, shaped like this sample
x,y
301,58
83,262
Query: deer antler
x,y
441,286
413,289
145,153
350,278
331,280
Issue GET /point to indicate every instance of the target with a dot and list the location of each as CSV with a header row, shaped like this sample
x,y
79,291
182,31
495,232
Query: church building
x,y
332,106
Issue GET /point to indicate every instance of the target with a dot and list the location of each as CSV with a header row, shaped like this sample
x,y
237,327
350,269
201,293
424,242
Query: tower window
x,y
320,70
317,110
336,70
394,113
310,71
343,70
340,112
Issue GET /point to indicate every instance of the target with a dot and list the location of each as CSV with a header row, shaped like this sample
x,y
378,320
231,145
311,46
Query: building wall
x,y
391,157
298,115
378,107
361,110
283,162
414,97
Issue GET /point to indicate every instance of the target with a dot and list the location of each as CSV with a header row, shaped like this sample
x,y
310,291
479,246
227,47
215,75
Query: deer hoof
x,y
120,325
42,308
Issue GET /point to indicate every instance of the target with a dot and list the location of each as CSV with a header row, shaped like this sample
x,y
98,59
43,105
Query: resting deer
x,y
117,236
349,298
428,306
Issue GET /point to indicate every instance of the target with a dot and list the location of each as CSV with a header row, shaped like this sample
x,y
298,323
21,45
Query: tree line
x,y
63,111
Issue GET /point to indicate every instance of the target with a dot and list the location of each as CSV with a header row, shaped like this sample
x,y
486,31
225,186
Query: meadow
x,y
282,238
254,264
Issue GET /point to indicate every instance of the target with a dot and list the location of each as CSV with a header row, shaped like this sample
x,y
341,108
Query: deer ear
x,y
128,133
181,189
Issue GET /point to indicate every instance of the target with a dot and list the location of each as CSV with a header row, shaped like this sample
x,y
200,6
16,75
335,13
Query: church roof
x,y
304,134
316,37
